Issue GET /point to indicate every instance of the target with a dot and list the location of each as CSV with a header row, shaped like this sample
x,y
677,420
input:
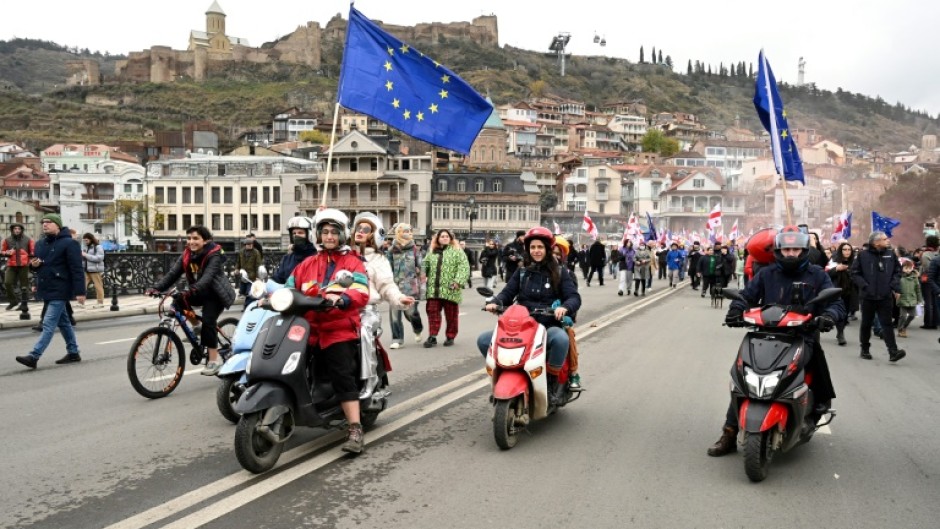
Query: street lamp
x,y
471,207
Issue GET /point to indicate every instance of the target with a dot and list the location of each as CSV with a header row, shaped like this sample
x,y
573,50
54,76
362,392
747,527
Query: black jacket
x,y
772,285
489,261
531,288
513,253
597,254
209,278
60,276
877,274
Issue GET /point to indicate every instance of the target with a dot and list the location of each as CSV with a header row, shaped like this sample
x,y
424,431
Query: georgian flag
x,y
843,227
733,236
588,225
557,228
632,229
714,218
663,237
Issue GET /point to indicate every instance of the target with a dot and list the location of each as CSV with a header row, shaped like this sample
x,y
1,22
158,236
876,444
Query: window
x,y
171,195
414,191
244,195
158,196
245,222
171,223
602,173
414,218
656,205
334,192
216,195
601,206
277,222
478,185
497,186
698,183
354,165
228,195
128,188
442,185
187,195
374,193
266,195
187,221
199,195
374,164
200,220
216,222
228,218
461,186
276,194
266,219
299,194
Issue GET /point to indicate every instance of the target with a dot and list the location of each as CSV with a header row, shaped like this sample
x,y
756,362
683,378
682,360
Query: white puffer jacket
x,y
381,281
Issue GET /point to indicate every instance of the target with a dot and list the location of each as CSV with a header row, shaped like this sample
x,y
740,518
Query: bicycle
x,y
156,362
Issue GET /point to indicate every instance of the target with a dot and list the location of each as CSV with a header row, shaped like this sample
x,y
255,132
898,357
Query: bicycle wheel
x,y
156,363
226,328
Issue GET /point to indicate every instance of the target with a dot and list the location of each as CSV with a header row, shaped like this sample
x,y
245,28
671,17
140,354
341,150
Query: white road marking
x,y
166,377
825,430
116,341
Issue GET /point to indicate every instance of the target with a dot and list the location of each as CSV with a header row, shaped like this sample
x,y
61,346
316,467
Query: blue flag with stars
x,y
387,79
774,118
651,234
885,224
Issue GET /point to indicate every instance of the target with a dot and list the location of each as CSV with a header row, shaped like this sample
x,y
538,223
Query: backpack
x,y
925,259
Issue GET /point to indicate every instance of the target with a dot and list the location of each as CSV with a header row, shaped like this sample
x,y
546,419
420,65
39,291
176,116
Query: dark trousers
x,y
882,309
339,362
600,274
930,306
451,315
16,282
662,271
212,308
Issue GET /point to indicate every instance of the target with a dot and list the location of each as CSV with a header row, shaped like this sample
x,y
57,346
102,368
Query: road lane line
x,y
116,341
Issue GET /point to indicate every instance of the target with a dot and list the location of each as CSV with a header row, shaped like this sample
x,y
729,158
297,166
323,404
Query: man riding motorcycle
x,y
538,283
791,274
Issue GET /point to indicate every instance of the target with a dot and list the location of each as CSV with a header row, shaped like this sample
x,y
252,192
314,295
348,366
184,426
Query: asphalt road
x,y
85,451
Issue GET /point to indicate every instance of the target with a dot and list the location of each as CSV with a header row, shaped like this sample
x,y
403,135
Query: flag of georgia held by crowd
x,y
557,228
389,80
734,235
588,225
714,218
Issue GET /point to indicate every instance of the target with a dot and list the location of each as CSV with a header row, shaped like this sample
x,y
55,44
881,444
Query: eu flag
x,y
774,118
885,224
651,234
389,80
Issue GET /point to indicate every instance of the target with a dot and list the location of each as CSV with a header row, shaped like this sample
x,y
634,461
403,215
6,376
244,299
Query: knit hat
x,y
53,217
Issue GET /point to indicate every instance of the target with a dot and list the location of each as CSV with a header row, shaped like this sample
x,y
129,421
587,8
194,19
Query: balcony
x,y
365,204
696,210
98,197
93,218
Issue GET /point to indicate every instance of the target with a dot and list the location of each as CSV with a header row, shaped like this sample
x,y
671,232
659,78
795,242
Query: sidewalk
x,y
130,305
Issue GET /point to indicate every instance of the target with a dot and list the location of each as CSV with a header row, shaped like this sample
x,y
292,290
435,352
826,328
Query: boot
x,y
726,444
840,337
354,439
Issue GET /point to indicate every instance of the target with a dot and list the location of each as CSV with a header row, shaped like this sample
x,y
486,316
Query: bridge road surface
x,y
85,451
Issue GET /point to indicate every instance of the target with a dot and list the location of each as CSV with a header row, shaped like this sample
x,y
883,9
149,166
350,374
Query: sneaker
x,y
394,345
574,382
865,355
620,292
11,306
212,369
430,342
902,333
69,359
29,361
448,342
354,439
37,328
418,338
896,355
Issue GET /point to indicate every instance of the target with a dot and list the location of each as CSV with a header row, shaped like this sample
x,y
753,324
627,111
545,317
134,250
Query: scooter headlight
x,y
763,386
292,362
282,299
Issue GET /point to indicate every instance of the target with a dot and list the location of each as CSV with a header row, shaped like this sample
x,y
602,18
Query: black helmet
x,y
791,237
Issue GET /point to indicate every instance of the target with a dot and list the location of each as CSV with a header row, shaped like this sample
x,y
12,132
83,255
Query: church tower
x,y
215,20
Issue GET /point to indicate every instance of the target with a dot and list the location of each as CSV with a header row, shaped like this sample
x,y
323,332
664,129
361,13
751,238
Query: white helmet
x,y
378,229
335,218
303,223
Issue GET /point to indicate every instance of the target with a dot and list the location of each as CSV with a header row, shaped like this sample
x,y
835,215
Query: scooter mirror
x,y
257,289
825,295
485,292
262,273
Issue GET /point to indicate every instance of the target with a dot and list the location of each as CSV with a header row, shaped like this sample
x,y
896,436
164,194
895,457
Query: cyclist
x,y
208,287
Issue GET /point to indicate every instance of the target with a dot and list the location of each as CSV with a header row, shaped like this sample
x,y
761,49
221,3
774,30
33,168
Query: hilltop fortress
x,y
214,48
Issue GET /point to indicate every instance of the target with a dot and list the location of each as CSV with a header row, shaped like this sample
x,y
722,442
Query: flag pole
x,y
786,202
329,156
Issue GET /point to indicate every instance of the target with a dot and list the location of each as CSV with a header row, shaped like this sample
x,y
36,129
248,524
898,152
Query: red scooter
x,y
769,386
516,363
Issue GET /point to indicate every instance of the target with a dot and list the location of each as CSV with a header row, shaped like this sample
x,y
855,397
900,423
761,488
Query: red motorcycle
x,y
516,363
769,385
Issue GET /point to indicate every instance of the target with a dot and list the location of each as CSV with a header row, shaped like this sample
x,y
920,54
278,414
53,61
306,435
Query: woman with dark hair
x,y
838,270
447,270
208,287
93,263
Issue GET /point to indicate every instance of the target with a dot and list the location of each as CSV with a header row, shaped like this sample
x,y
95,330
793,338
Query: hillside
x,y
35,110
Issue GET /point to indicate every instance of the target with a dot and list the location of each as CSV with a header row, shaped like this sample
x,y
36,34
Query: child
x,y
910,296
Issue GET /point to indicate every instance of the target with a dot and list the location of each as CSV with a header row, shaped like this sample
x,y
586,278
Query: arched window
x,y
462,185
442,185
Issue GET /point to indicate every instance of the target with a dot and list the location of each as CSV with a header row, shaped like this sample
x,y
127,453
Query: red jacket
x,y
338,325
23,249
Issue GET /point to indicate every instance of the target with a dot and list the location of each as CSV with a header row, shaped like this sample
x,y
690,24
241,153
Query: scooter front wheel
x,y
227,394
255,453
504,423
758,453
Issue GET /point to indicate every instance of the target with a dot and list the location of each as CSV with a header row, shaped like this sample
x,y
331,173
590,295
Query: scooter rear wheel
x,y
255,453
504,423
757,455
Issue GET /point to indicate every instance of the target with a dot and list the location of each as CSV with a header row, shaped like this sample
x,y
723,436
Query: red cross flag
x,y
714,218
588,225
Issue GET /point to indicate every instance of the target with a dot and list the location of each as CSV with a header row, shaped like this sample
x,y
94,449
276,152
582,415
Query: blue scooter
x,y
232,374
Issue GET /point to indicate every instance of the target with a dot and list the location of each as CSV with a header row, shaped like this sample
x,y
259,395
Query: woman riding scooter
x,y
538,284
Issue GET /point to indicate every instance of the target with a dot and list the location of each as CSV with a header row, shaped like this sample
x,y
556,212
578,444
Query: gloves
x,y
734,318
825,323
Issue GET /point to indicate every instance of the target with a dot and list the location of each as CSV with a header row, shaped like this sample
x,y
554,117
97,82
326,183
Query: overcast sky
x,y
873,47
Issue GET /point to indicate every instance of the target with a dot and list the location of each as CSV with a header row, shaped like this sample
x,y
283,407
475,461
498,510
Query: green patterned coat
x,y
444,270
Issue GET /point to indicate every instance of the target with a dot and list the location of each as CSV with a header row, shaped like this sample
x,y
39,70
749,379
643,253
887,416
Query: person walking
x,y
661,254
247,262
470,261
59,278
695,255
512,255
597,256
674,261
489,260
18,249
641,270
910,296
208,287
878,275
838,269
446,268
408,272
584,261
625,257
93,262
931,245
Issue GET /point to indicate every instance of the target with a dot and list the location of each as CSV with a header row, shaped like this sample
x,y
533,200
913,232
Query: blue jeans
x,y
56,316
412,314
557,345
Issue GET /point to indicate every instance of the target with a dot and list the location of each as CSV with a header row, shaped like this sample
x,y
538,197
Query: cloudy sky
x,y
869,46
